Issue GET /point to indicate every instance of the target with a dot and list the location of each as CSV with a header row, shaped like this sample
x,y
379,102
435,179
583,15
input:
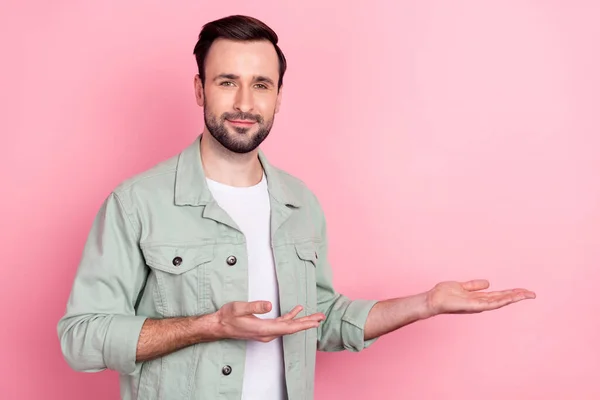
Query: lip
x,y
240,122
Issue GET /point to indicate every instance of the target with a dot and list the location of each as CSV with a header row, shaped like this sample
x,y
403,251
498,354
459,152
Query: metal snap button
x,y
231,260
226,370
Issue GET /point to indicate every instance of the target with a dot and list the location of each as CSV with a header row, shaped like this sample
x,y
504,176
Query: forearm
x,y
160,337
388,315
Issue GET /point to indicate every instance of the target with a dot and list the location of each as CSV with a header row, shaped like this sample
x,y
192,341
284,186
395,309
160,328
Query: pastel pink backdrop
x,y
462,136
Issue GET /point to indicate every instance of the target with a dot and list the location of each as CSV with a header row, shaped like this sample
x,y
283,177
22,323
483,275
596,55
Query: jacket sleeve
x,y
100,328
343,328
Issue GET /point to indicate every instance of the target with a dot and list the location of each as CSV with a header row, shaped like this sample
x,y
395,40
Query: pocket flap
x,y
307,251
177,259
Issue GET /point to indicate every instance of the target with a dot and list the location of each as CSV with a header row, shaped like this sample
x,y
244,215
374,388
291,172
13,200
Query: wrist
x,y
428,307
209,327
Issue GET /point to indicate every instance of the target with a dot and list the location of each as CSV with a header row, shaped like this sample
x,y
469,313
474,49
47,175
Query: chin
x,y
238,131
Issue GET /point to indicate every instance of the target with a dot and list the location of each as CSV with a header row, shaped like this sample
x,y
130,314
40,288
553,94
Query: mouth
x,y
245,123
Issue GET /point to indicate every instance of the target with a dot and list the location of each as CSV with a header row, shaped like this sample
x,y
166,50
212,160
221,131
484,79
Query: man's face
x,y
240,96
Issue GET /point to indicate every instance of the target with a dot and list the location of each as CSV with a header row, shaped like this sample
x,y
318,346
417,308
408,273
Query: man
x,y
206,277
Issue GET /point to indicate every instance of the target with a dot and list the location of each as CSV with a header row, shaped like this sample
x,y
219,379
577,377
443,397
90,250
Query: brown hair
x,y
236,27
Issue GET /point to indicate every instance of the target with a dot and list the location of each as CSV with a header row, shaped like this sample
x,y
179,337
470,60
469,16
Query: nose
x,y
244,100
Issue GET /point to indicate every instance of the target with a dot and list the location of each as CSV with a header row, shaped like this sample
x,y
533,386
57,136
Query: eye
x,y
226,83
261,86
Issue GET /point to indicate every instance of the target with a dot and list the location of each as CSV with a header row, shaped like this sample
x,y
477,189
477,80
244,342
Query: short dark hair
x,y
240,28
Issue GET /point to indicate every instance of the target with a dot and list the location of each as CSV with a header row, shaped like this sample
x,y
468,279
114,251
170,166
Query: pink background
x,y
473,127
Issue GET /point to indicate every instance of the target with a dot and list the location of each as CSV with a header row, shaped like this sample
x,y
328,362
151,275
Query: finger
x,y
318,317
268,328
504,301
501,299
253,307
519,294
513,293
298,326
476,284
292,314
527,293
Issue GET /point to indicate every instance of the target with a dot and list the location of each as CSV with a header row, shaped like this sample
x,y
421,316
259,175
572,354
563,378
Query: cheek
x,y
266,106
218,103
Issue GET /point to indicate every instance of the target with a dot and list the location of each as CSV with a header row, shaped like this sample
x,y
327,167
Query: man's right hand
x,y
236,320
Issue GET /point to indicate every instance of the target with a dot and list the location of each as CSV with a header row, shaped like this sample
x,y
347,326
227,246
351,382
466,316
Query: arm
x,y
343,328
234,320
100,328
389,315
160,337
355,324
445,298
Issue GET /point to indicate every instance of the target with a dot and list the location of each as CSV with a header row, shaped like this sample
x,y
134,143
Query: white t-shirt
x,y
249,207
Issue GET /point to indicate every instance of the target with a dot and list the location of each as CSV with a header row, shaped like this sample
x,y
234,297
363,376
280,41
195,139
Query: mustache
x,y
242,116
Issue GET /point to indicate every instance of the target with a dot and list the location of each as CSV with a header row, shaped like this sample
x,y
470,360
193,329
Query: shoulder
x,y
156,181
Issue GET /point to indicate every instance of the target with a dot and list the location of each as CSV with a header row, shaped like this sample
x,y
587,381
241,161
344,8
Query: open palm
x,y
467,298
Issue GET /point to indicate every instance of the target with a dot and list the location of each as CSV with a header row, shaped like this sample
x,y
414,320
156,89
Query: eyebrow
x,y
259,78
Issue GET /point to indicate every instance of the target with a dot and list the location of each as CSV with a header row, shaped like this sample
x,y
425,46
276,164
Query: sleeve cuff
x,y
353,325
120,349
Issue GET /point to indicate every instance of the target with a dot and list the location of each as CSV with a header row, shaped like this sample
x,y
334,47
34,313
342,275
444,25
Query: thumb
x,y
258,307
476,284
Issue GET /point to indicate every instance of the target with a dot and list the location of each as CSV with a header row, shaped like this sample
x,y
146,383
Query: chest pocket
x,y
307,256
179,277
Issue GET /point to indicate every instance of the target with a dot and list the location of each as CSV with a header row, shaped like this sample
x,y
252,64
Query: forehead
x,y
242,58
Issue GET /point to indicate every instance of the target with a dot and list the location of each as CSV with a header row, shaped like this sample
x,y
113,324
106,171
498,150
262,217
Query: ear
x,y
278,103
198,89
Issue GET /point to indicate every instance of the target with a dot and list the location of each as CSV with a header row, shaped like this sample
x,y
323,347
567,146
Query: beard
x,y
237,139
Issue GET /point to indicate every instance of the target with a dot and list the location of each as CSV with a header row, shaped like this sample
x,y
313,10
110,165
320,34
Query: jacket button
x,y
177,261
226,370
231,260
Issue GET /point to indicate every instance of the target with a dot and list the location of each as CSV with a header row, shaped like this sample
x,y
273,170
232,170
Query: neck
x,y
227,167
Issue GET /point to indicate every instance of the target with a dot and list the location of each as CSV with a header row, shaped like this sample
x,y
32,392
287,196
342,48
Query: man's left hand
x,y
467,297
